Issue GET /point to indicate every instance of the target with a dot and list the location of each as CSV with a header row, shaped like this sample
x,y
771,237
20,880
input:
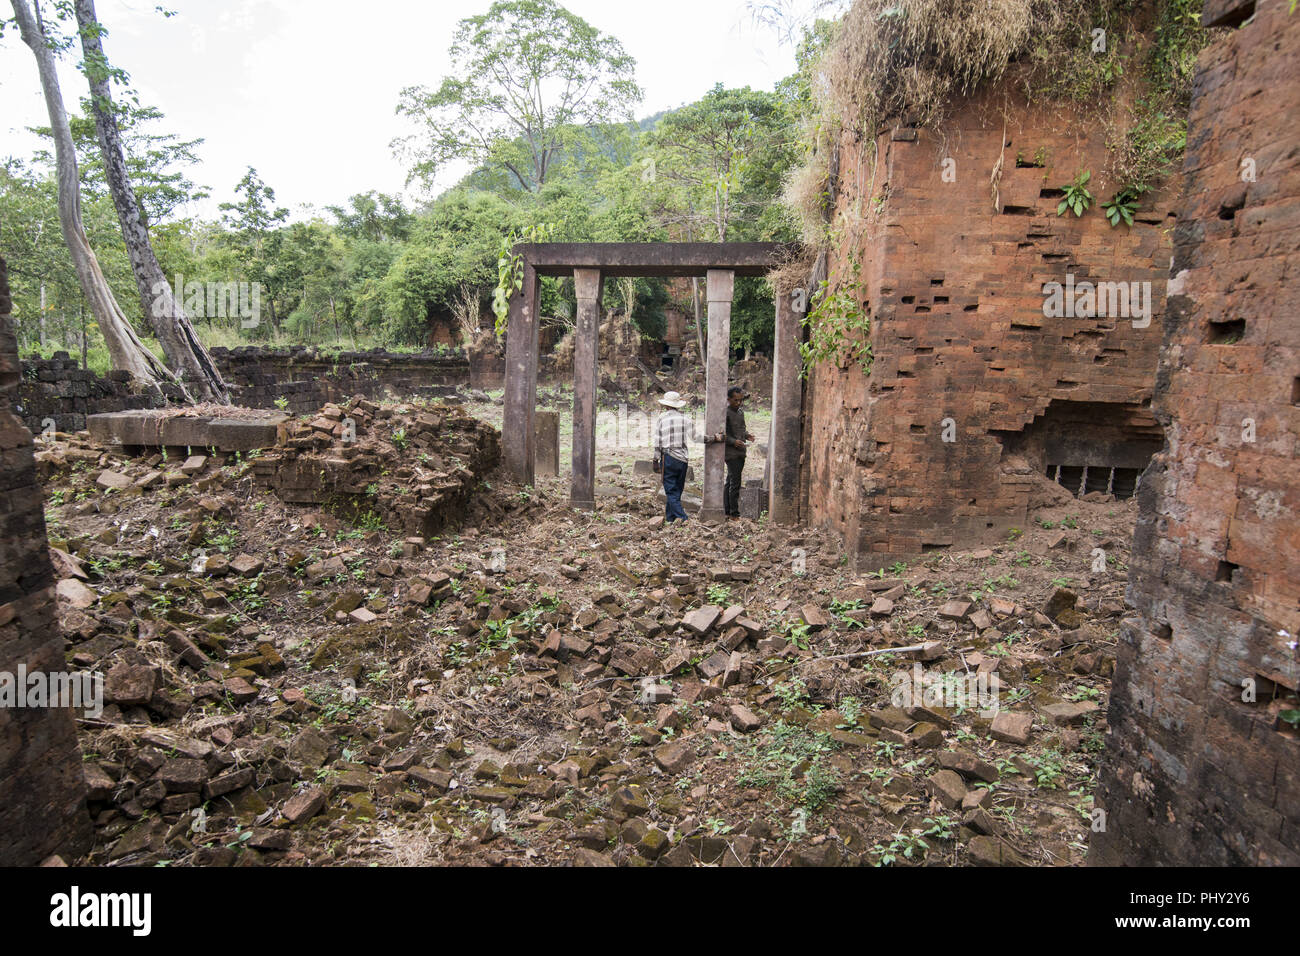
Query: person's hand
x,y
749,436
718,437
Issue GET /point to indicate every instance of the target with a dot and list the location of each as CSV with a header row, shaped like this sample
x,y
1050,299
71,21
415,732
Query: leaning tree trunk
x,y
125,349
180,343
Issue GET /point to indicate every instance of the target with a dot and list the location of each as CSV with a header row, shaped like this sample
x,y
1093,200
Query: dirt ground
x,y
537,686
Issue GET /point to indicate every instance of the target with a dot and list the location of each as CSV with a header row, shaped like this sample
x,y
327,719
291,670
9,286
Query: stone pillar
x,y
720,284
521,381
547,445
787,410
42,785
586,374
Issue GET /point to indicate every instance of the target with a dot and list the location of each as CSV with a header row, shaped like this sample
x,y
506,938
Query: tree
x,y
528,79
373,216
49,307
253,236
180,343
128,353
718,164
449,265
154,161
312,260
720,159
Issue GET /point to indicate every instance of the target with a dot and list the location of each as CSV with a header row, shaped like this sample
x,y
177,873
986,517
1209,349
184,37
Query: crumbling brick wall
x,y
1202,768
307,379
415,473
956,234
58,389
42,788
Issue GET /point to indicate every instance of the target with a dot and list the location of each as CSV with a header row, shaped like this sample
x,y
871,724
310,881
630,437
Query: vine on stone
x,y
838,326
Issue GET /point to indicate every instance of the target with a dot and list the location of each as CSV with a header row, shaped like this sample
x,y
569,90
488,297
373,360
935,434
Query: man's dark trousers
x,y
732,491
674,482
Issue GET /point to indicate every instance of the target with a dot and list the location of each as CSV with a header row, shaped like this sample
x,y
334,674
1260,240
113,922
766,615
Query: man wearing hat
x,y
673,431
737,439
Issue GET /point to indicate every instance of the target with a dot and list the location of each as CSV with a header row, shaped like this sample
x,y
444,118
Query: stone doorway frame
x,y
589,263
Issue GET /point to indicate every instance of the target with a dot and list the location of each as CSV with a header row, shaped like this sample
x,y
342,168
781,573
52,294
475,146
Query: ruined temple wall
x,y
952,276
1200,767
58,390
42,787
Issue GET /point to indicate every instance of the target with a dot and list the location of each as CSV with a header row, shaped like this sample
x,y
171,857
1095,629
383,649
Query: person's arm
x,y
701,439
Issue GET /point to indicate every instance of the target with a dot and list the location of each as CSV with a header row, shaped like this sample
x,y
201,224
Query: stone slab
x,y
155,429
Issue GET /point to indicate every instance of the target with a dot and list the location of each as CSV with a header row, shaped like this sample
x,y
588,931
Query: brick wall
x,y
308,379
1195,774
42,789
953,285
60,390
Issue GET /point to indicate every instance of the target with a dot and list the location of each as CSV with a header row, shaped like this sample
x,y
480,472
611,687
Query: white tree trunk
x,y
125,349
180,343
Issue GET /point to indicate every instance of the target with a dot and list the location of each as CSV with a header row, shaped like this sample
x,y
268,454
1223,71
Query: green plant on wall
x,y
838,327
510,270
1122,205
1077,198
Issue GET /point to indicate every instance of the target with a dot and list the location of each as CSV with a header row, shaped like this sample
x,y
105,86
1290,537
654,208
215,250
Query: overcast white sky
x,y
305,90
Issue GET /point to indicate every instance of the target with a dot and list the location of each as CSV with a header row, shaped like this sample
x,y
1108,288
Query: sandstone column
x,y
546,451
586,337
42,786
787,412
721,282
521,381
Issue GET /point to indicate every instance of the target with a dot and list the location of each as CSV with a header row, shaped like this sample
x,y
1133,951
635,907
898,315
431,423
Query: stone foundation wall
x,y
42,787
1202,767
308,379
58,389
954,236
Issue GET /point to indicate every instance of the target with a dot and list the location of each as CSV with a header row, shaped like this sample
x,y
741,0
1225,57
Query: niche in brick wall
x,y
1088,446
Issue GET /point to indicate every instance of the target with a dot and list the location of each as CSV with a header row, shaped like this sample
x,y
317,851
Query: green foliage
x,y
373,271
792,760
527,79
1048,768
1077,198
510,270
838,327
797,633
792,693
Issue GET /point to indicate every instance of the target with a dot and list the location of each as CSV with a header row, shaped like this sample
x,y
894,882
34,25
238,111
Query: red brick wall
x,y
1194,773
954,289
42,789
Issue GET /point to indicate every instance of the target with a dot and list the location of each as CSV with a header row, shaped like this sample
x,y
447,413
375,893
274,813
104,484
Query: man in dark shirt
x,y
737,440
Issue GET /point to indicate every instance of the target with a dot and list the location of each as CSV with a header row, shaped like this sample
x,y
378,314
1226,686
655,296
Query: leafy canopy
x,y
527,78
